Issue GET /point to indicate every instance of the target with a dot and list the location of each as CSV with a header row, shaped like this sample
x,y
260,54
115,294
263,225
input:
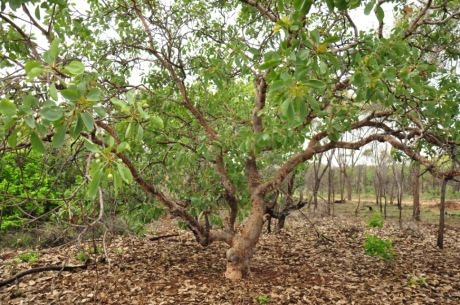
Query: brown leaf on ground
x,y
292,267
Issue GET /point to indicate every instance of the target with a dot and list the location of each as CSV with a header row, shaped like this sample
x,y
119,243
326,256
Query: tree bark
x,y
416,191
244,242
349,185
442,214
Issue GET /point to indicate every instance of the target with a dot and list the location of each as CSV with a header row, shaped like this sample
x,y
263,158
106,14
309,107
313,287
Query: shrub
x,y
375,246
376,221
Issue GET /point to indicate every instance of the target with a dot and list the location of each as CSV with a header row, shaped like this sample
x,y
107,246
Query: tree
x,y
193,104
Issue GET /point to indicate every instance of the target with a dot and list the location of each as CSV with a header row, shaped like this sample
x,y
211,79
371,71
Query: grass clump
x,y
28,257
82,256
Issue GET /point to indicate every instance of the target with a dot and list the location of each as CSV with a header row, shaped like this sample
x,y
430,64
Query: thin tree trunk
x,y
349,185
442,214
416,191
385,206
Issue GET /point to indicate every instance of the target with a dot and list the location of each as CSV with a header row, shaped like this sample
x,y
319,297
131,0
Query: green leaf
x,y
368,7
315,36
128,130
37,143
389,74
94,95
125,173
75,67
59,136
330,4
53,92
37,12
341,5
140,133
94,184
157,122
71,94
87,120
90,146
78,127
30,121
314,83
302,7
116,182
52,113
270,64
29,101
8,108
123,146
119,103
51,55
13,139
379,13
33,68
287,110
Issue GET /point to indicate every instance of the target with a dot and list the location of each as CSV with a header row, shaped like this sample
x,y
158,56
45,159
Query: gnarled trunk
x,y
244,242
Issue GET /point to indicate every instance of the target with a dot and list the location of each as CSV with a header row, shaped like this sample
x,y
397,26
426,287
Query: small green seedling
x,y
375,246
119,251
416,281
376,221
27,257
96,250
82,256
263,299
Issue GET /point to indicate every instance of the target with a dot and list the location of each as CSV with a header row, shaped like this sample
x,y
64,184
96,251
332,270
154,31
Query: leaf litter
x,y
292,267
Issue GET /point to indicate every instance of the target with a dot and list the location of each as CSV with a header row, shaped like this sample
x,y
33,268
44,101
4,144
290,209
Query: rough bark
x,y
243,244
416,191
442,214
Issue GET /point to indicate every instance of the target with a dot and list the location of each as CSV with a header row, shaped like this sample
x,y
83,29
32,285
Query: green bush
x,y
376,221
24,175
375,246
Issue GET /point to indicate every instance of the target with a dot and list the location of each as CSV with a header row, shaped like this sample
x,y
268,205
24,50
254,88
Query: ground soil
x,y
293,267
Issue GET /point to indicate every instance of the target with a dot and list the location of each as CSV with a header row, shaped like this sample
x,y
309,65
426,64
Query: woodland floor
x,y
293,267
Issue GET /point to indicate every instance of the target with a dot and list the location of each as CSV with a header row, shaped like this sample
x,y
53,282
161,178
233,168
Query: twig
x,y
162,237
41,269
318,233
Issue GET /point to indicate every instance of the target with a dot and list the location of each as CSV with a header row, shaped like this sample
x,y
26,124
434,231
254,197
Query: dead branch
x,y
21,274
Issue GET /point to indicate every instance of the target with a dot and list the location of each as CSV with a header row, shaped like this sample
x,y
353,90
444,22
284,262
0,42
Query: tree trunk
x,y
269,224
385,206
315,195
281,222
416,191
349,186
342,179
244,242
442,214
